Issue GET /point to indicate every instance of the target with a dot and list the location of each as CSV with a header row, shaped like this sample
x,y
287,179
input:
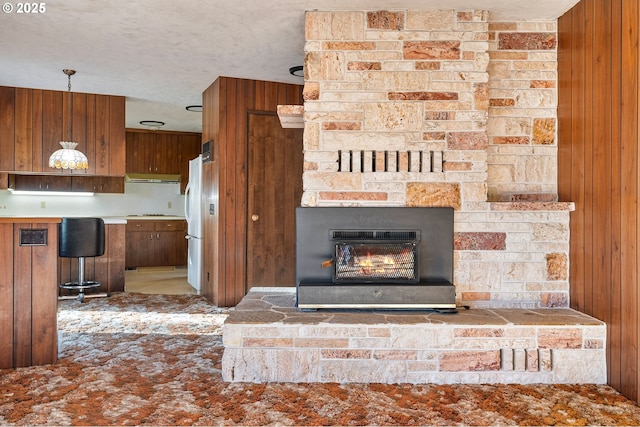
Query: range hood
x,y
162,178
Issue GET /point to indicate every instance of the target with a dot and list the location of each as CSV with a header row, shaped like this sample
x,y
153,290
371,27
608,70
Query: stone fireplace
x,y
433,108
445,108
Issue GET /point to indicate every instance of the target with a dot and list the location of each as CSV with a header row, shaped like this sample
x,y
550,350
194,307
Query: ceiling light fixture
x,y
68,157
194,108
152,123
297,71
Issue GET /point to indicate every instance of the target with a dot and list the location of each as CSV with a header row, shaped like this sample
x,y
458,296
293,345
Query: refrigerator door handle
x,y
187,190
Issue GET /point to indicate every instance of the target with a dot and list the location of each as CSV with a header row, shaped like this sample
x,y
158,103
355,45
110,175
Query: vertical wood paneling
x,y
629,213
565,41
116,256
7,128
52,126
598,170
79,128
99,144
23,130
578,121
116,146
225,107
588,158
209,274
6,296
44,325
22,294
600,124
28,297
614,329
40,162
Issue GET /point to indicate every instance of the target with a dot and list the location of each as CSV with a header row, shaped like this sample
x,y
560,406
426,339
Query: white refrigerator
x,y
193,215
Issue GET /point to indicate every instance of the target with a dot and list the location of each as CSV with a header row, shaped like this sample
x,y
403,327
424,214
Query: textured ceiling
x,y
162,54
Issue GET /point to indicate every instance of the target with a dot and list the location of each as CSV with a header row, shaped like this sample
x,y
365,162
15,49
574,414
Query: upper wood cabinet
x,y
162,152
34,121
96,184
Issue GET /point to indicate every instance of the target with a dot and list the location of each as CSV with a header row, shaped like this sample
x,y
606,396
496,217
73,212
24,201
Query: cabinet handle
x,y
158,236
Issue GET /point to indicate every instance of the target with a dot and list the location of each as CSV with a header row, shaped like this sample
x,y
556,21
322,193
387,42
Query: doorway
x,y
275,163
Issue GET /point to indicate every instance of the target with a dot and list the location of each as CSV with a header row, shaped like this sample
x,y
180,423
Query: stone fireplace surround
x,y
434,108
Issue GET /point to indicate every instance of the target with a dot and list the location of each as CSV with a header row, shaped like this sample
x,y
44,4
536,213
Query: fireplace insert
x,y
374,257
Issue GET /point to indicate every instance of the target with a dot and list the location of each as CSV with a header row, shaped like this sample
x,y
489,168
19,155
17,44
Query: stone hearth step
x,y
268,339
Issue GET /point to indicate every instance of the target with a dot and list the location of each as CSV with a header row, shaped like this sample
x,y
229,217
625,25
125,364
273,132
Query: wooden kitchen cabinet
x,y
162,152
97,184
34,121
151,243
40,182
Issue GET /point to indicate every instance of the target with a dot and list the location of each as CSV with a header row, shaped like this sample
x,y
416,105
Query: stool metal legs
x,y
80,285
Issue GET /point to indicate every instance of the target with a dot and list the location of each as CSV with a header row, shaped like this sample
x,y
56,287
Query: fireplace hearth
x,y
374,258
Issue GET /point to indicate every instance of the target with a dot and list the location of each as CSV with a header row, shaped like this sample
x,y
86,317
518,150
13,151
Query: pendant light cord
x,y
69,73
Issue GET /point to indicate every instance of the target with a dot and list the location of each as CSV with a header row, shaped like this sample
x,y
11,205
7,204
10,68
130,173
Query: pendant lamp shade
x,y
68,157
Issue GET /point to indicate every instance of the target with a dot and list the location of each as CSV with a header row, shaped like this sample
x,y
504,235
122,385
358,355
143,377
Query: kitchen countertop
x,y
106,219
154,217
28,219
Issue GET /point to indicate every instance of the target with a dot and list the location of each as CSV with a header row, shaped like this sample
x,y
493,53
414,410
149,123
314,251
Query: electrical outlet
x,y
169,205
43,204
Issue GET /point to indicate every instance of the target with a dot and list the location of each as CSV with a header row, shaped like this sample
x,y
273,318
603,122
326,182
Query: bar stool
x,y
80,238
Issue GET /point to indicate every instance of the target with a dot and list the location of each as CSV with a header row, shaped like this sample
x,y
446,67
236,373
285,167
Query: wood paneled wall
x,y
34,121
598,169
28,295
226,104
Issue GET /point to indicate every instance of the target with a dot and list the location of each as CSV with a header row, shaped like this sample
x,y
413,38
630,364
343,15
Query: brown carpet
x,y
135,359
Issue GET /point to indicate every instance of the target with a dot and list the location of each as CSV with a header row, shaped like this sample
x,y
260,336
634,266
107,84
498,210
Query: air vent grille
x,y
403,235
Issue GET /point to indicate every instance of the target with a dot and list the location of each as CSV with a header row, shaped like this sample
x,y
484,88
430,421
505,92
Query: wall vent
x,y
360,161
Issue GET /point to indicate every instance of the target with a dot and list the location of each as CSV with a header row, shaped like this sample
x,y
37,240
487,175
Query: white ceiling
x,y
162,54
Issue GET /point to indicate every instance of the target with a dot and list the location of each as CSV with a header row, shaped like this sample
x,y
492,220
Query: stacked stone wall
x,y
445,108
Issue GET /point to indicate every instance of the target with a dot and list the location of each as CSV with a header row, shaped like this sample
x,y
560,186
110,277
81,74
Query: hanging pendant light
x,y
68,157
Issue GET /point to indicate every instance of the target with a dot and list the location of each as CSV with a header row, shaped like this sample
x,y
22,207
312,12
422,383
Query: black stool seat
x,y
80,238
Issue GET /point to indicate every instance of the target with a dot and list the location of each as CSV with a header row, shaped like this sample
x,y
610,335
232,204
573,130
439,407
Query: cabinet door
x,y
109,184
83,183
190,147
138,152
140,244
42,182
140,249
165,154
171,245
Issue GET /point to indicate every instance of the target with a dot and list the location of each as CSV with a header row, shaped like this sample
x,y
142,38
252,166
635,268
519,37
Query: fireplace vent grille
x,y
375,235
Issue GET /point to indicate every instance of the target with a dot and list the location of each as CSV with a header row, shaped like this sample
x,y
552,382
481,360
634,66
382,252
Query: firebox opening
x,y
380,258
376,256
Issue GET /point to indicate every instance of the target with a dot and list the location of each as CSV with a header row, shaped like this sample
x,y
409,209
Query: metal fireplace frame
x,y
315,247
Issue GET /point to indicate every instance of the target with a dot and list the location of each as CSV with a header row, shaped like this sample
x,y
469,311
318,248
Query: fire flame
x,y
368,266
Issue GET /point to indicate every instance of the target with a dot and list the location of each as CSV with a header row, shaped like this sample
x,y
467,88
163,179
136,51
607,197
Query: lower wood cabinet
x,y
153,243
